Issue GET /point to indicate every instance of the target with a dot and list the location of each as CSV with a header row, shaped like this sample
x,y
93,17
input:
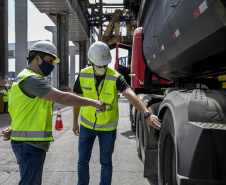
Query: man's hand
x,y
6,134
76,129
153,121
101,105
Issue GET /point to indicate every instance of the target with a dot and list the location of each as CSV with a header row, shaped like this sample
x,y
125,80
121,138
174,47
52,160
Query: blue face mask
x,y
46,68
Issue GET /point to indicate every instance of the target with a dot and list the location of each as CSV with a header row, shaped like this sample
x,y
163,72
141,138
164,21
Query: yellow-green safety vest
x,y
5,95
31,117
90,117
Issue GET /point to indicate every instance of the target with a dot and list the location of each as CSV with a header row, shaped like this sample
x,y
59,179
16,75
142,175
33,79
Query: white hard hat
x,y
99,54
46,47
6,85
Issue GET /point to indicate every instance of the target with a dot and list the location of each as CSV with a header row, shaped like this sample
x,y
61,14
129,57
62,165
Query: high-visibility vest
x,y
31,117
5,95
90,117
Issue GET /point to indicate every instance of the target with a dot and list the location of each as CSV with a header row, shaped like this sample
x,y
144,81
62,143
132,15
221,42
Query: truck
x,y
178,69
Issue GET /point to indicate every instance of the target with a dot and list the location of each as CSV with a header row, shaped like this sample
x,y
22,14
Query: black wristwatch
x,y
147,114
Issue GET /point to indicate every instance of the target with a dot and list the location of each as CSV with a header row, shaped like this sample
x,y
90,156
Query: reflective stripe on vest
x,y
107,92
108,125
90,75
31,134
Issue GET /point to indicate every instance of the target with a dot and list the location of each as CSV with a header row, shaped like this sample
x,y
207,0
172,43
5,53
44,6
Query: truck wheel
x,y
130,112
150,141
133,118
167,152
150,159
138,124
141,138
143,130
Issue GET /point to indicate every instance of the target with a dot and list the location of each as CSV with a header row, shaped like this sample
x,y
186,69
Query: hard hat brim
x,y
57,60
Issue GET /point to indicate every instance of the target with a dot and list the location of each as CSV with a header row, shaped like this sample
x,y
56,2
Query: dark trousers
x,y
106,143
31,161
5,106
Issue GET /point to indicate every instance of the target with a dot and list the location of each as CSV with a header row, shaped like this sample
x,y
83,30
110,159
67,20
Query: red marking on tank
x,y
196,13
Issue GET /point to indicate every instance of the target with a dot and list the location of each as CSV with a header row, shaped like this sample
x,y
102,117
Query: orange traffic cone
x,y
59,123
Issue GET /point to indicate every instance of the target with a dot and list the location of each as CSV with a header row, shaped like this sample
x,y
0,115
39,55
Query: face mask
x,y
100,71
46,68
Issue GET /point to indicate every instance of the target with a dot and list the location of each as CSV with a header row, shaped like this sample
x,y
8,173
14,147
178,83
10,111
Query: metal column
x,y
3,41
21,51
72,66
100,20
82,55
62,47
54,76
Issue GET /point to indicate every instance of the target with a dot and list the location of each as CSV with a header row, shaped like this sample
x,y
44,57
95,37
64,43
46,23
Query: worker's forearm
x,y
135,101
68,99
76,111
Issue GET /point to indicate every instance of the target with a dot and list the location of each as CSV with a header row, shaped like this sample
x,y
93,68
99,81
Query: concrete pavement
x,y
61,161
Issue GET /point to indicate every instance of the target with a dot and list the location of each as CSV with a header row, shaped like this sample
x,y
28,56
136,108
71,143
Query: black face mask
x,y
46,68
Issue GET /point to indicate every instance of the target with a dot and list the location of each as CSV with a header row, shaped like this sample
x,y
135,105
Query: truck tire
x,y
167,152
150,147
149,138
143,130
130,111
141,138
138,123
133,116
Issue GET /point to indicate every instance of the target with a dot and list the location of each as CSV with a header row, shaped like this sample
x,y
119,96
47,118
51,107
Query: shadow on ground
x,y
129,134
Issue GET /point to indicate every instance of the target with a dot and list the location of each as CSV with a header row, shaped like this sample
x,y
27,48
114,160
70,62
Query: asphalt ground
x,y
61,161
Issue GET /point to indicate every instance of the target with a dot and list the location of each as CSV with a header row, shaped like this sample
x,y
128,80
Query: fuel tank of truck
x,y
184,38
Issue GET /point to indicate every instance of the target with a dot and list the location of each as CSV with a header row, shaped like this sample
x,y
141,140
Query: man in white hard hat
x,y
99,82
30,106
5,93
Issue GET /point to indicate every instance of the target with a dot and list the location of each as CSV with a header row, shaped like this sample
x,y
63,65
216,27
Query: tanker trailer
x,y
182,42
